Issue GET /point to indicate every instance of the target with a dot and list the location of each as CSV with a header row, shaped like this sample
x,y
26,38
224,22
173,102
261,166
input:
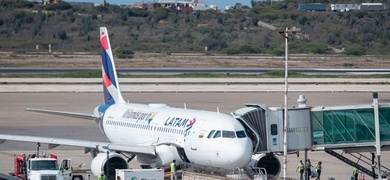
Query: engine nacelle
x,y
269,162
165,154
115,161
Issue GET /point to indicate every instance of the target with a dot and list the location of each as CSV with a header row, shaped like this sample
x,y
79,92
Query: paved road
x,y
14,120
165,71
197,85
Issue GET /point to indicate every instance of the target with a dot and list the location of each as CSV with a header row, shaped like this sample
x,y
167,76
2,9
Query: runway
x,y
14,120
196,85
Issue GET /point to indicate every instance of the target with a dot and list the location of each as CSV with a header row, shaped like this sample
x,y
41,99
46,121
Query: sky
x,y
220,3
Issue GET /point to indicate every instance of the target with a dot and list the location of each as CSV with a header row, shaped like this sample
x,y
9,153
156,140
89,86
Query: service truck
x,y
130,174
33,167
74,173
45,167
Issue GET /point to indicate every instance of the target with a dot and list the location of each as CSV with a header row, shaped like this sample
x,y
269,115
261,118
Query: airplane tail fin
x,y
112,93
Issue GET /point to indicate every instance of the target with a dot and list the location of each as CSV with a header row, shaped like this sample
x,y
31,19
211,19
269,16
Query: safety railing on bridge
x,y
348,124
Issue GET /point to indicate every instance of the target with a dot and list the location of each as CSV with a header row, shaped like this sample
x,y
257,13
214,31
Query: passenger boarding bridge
x,y
349,129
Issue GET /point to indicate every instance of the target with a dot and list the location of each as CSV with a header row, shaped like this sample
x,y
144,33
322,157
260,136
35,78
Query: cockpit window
x,y
228,134
211,134
241,134
217,134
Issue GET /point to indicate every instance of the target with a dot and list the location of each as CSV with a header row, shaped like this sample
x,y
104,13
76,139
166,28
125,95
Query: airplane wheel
x,y
77,178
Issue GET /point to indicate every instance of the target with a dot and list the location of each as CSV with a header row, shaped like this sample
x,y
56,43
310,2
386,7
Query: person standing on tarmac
x,y
173,170
318,169
308,169
102,176
300,169
355,173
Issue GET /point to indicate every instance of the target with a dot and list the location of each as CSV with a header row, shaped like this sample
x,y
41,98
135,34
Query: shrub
x,y
355,50
57,6
124,54
137,12
230,51
278,52
248,49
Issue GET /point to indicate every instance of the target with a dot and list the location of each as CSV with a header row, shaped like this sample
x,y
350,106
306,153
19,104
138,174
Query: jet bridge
x,y
265,127
350,129
348,126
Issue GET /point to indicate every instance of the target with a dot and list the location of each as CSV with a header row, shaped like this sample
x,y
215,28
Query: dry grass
x,y
191,61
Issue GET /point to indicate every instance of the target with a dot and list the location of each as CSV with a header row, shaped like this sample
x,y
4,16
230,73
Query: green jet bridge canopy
x,y
348,126
351,129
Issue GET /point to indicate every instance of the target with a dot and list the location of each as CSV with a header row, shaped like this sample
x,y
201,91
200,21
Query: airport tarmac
x,y
198,85
14,120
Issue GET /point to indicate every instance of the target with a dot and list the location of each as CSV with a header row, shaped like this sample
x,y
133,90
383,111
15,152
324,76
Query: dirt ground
x,y
149,60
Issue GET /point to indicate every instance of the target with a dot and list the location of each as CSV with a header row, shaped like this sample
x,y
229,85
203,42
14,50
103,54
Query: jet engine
x,y
269,162
115,161
164,156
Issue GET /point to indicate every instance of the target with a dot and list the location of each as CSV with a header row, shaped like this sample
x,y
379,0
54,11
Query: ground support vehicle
x,y
35,167
74,173
130,174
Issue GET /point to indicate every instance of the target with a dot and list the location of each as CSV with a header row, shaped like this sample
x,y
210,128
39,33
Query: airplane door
x,y
194,141
195,135
66,169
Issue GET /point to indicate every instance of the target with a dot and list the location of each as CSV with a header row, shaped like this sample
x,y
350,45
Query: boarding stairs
x,y
362,162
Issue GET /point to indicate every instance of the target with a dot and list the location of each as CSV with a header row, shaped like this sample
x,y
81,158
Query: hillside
x,y
24,25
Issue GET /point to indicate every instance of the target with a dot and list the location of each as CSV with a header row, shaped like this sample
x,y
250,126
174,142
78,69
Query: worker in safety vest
x,y
300,169
308,169
355,173
173,170
318,169
102,176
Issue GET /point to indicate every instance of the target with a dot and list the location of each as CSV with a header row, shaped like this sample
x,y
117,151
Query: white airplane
x,y
155,134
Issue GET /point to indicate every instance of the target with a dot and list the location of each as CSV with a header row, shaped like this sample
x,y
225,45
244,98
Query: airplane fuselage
x,y
201,137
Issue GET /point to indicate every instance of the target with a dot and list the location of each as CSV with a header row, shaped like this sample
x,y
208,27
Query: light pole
x,y
377,133
287,34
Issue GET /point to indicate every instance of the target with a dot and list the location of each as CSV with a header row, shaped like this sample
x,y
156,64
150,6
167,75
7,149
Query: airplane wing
x,y
67,114
54,142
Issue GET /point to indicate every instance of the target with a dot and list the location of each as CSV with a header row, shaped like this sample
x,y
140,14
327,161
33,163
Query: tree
x,y
62,35
253,3
248,49
230,51
62,5
355,50
302,20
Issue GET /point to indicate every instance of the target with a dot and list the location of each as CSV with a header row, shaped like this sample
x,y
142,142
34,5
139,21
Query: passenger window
x,y
217,134
211,134
240,134
228,134
274,129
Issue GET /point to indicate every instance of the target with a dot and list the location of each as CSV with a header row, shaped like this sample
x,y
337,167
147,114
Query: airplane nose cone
x,y
237,154
240,155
